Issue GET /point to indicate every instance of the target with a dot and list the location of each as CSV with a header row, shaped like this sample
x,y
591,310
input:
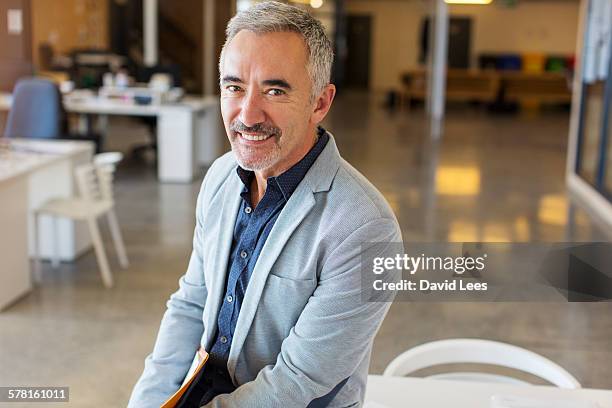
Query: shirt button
x,y
243,254
223,339
248,210
230,298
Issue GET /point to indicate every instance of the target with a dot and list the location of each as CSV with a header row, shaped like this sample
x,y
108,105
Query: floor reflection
x,y
490,178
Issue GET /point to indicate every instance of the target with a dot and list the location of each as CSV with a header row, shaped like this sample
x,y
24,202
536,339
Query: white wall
x,y
542,26
547,26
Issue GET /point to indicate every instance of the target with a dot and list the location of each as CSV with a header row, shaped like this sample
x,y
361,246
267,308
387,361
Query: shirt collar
x,y
288,181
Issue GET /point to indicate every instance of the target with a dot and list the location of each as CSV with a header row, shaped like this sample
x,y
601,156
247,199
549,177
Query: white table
x,y
408,392
34,172
188,132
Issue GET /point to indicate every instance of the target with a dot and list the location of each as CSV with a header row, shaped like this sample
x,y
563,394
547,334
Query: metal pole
x,y
438,71
210,84
149,18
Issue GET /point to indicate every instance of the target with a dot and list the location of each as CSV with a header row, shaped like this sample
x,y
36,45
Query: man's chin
x,y
253,162
254,165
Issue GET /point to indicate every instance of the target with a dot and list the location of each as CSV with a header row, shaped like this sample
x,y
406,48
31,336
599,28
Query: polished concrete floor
x,y
492,178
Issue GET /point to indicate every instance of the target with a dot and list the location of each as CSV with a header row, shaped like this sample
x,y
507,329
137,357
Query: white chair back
x,y
477,351
95,183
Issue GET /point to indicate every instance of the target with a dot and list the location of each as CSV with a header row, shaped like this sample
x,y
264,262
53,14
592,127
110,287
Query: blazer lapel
x,y
229,201
298,206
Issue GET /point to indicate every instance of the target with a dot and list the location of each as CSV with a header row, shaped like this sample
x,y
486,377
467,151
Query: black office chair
x,y
37,112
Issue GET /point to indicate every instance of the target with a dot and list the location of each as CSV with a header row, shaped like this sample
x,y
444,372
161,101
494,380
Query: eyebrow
x,y
278,82
281,83
229,78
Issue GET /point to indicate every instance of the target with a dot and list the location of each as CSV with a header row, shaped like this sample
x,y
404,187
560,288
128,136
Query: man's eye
x,y
233,88
275,92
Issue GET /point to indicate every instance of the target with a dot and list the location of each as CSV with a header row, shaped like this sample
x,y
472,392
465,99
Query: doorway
x,y
459,42
358,42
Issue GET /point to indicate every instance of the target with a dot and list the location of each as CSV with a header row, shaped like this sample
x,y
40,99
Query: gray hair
x,y
272,17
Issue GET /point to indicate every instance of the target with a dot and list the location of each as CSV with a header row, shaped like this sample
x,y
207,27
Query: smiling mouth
x,y
254,137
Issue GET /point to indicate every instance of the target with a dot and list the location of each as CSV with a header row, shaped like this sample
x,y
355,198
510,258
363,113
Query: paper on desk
x,y
515,401
50,147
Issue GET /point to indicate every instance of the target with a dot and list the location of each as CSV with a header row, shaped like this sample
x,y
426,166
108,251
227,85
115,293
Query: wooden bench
x,y
545,87
489,85
461,85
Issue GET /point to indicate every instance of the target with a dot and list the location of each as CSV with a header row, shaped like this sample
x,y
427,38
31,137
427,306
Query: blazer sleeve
x,y
333,333
180,331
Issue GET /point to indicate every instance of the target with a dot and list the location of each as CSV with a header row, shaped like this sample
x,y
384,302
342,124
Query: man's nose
x,y
251,111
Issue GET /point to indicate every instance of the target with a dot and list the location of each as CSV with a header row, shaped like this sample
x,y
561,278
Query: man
x,y
273,287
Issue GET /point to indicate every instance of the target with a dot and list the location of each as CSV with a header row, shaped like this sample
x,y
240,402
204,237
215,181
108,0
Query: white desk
x,y
30,175
407,392
188,132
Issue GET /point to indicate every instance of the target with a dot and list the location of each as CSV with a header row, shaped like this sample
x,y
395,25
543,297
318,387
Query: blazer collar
x,y
324,169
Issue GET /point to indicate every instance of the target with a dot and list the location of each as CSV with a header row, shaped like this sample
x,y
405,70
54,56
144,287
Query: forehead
x,y
279,53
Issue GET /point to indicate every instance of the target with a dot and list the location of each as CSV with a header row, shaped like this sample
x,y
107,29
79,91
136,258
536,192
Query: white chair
x,y
465,351
95,184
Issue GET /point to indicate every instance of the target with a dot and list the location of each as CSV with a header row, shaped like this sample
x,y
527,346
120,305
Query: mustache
x,y
258,128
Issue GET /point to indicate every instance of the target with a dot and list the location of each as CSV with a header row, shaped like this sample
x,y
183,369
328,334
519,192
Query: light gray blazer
x,y
303,327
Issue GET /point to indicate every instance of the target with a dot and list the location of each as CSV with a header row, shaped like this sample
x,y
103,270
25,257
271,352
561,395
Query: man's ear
x,y
323,103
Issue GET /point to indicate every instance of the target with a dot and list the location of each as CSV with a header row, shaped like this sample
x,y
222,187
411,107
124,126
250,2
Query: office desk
x,y
188,132
30,174
403,392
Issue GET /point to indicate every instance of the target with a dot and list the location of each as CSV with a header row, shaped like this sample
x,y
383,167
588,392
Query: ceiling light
x,y
316,3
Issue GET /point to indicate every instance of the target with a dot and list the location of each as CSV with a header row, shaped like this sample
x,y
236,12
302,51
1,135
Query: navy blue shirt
x,y
253,225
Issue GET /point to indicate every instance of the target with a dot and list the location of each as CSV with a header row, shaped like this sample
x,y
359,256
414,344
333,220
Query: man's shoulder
x,y
348,192
353,210
219,170
352,204
354,190
216,175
